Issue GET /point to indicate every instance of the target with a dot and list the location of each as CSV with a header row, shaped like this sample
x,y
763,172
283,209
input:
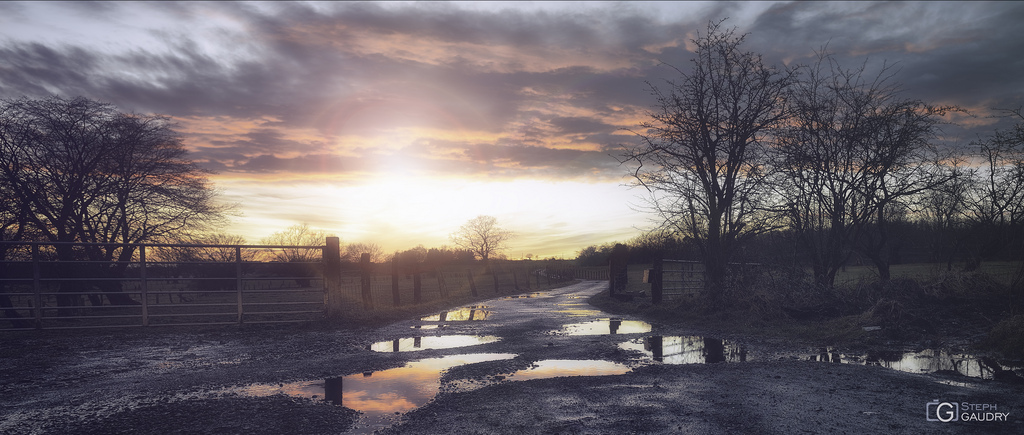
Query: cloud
x,y
451,88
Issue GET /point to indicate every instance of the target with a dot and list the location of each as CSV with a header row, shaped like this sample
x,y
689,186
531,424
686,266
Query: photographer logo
x,y
963,411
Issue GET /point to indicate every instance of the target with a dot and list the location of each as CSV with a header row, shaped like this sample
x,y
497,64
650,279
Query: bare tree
x,y
301,240
354,252
81,171
853,155
996,198
482,236
702,153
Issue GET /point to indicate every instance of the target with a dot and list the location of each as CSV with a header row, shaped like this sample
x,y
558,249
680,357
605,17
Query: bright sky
x,y
395,123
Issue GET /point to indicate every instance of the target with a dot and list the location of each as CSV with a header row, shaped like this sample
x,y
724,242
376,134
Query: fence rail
x,y
47,285
44,285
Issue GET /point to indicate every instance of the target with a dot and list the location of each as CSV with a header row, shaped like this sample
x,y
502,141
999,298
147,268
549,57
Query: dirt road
x,y
537,363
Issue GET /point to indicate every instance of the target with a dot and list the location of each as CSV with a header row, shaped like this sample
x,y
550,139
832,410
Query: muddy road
x,y
544,362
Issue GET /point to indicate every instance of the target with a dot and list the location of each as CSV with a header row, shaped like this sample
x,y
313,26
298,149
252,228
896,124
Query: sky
x,y
396,122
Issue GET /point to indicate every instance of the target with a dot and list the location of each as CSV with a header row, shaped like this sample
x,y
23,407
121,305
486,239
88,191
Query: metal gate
x,y
227,284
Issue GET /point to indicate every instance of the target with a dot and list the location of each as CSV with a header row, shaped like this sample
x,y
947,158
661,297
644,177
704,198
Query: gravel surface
x,y
271,380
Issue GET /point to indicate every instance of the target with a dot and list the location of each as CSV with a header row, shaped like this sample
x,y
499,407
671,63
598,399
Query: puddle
x,y
478,312
687,349
526,296
554,368
925,361
381,396
606,326
579,313
411,344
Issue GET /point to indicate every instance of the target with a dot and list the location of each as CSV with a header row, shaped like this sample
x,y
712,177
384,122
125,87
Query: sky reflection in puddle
x,y
411,344
925,361
687,349
526,296
553,368
478,312
606,326
380,396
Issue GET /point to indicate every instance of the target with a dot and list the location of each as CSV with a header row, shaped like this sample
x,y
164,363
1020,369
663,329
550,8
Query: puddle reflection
x,y
478,312
926,361
526,296
378,395
579,312
553,368
607,326
411,344
687,349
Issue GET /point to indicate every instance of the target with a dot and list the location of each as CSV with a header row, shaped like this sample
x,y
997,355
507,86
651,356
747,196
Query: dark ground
x,y
161,381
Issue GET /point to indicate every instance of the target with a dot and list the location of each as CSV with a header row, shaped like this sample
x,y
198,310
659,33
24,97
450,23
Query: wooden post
x,y
144,285
331,258
417,286
494,274
656,282
37,287
365,270
395,275
442,287
472,284
618,270
238,280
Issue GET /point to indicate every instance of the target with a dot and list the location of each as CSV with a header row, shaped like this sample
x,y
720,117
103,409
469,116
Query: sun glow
x,y
399,211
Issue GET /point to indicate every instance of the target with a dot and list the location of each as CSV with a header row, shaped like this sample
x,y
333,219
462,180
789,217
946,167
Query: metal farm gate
x,y
44,285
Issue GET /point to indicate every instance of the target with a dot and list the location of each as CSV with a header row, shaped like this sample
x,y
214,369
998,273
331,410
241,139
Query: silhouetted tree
x,y
702,153
354,251
995,200
301,242
81,171
853,154
482,236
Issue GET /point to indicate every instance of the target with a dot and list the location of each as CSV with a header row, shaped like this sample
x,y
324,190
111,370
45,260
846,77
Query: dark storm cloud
x,y
531,77
945,52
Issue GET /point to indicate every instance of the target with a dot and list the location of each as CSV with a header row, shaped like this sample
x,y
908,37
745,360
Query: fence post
x,y
238,280
417,285
494,275
37,287
656,282
144,284
364,273
472,284
331,257
441,289
395,294
618,272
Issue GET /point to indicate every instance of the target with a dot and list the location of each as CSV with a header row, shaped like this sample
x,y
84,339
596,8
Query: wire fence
x,y
48,285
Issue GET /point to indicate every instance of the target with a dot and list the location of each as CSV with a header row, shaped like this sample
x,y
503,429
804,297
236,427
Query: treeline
x,y
818,165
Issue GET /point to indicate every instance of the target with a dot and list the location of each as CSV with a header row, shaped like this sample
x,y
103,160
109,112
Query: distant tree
x,y
300,241
995,199
354,252
482,236
77,170
212,247
702,152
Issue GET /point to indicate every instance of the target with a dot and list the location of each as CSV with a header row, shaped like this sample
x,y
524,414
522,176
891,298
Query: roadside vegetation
x,y
819,201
